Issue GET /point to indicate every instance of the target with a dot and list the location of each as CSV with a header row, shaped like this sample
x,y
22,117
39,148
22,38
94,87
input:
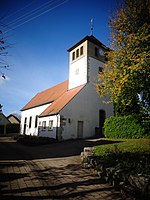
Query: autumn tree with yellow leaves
x,y
126,73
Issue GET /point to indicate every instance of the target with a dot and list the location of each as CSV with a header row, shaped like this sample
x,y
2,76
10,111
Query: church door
x,y
80,129
102,117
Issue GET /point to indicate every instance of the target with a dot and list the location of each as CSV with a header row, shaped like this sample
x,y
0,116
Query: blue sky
x,y
38,56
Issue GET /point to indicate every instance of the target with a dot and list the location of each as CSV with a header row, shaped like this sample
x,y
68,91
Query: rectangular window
x,y
96,51
73,56
44,125
77,53
36,120
77,71
50,127
81,51
30,122
25,120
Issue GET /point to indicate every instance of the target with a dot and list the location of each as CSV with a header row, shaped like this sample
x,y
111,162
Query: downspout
x,y
57,131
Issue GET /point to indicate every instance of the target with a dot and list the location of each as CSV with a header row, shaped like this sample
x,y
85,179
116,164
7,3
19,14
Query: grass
x,y
132,155
124,145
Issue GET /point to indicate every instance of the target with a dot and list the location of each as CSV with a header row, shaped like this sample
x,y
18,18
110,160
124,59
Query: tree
x,y
126,73
3,51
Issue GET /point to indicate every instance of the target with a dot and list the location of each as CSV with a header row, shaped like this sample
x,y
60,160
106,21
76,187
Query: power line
x,y
28,13
38,15
19,9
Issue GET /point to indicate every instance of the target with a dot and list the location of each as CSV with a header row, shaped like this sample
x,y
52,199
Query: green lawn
x,y
130,154
124,145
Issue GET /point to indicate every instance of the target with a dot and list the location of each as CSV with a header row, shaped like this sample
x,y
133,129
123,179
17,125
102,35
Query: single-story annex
x,y
72,109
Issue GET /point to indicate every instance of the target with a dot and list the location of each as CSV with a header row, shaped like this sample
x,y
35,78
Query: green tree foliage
x,y
126,73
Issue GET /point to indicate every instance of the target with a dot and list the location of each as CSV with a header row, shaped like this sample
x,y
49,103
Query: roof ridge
x,y
52,87
47,96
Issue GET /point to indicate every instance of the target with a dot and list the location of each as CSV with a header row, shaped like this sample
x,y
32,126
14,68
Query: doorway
x,y
102,117
80,129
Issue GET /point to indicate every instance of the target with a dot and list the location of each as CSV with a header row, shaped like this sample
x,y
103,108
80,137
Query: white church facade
x,y
71,109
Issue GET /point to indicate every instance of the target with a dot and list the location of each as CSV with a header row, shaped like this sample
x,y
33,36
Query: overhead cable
x,y
36,11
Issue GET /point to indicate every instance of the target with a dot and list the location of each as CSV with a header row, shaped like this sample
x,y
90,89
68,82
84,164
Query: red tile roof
x,y
61,102
47,96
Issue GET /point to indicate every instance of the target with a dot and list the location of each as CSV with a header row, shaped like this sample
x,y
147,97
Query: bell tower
x,y
86,59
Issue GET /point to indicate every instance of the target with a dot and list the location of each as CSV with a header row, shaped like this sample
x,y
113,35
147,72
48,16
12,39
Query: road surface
x,y
49,172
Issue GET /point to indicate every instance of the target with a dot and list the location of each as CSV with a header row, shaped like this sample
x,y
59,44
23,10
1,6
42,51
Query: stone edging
x,y
128,184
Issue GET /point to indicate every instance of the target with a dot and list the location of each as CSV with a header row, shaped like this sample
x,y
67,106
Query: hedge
x,y
34,140
12,128
126,127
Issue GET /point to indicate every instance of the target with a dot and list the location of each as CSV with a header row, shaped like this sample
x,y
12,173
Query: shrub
x,y
125,127
34,140
12,128
146,124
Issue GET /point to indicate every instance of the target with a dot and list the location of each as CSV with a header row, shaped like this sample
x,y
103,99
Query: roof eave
x,y
91,39
52,114
23,109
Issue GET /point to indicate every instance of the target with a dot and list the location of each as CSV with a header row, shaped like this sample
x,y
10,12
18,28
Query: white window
x,y
44,125
77,71
50,126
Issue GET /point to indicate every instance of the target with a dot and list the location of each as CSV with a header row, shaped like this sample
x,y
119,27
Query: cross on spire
x,y
91,26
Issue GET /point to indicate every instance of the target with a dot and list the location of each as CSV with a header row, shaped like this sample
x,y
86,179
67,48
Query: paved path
x,y
40,173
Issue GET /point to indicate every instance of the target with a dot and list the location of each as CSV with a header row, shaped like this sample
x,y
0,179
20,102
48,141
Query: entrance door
x,y
102,117
80,129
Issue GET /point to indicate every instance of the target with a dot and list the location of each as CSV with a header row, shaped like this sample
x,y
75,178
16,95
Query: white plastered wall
x,y
78,67
47,132
31,113
85,106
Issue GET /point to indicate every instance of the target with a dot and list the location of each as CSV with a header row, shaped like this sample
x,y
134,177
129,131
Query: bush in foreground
x,y
132,155
126,127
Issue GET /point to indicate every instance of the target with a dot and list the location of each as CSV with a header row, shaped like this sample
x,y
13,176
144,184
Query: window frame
x,y
77,53
81,50
50,125
77,71
43,125
73,55
25,120
96,52
30,121
36,121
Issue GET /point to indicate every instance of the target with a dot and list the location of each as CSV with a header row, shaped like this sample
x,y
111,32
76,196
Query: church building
x,y
72,109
